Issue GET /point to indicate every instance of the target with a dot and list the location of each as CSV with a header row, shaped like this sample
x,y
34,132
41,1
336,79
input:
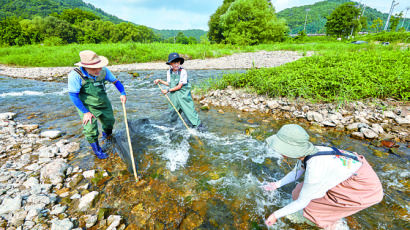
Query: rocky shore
x,y
372,119
235,61
38,186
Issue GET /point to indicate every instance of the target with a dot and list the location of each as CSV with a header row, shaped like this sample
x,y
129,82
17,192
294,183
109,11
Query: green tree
x,y
251,22
394,21
192,40
181,38
11,32
76,15
31,29
214,23
343,19
54,27
377,24
204,39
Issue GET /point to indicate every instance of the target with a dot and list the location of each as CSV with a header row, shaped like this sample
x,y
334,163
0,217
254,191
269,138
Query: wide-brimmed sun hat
x,y
174,57
291,141
90,59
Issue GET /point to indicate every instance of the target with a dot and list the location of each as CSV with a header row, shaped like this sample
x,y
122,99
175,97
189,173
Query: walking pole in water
x,y
129,142
174,108
179,114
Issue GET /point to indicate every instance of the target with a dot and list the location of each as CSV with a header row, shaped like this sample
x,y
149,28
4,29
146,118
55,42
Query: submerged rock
x,y
64,224
87,200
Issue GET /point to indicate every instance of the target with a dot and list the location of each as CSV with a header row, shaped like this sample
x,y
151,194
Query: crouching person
x,y
86,87
337,183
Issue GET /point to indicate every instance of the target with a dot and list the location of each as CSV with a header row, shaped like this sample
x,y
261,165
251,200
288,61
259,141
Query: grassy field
x,y
124,53
354,73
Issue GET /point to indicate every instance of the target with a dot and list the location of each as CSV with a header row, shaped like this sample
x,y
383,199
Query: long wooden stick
x,y
197,139
174,108
129,142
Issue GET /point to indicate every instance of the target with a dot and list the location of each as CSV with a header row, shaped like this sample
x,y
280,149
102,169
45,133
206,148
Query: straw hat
x,y
90,59
291,141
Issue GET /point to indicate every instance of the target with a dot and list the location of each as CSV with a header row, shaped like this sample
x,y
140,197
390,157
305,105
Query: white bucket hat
x,y
90,59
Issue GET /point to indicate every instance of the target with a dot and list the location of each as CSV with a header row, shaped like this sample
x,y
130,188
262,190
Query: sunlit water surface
x,y
214,177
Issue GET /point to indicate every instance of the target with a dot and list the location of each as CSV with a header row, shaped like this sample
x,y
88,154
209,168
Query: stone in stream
x,y
7,116
54,171
87,200
388,144
368,133
357,135
314,116
88,221
10,204
18,218
113,221
52,134
64,224
403,120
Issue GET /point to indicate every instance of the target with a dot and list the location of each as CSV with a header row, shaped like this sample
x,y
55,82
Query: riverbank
x,y
371,119
236,61
38,186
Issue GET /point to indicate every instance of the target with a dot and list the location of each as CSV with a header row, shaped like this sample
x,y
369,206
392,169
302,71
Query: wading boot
x,y
98,151
106,141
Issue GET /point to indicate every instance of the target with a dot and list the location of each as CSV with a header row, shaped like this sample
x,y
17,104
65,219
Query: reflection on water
x,y
211,184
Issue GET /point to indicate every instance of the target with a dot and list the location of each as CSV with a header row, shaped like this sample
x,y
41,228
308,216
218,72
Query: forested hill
x,y
172,33
30,8
316,19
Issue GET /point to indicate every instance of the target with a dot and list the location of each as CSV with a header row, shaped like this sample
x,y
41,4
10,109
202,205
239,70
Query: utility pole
x,y
404,18
304,27
393,4
351,32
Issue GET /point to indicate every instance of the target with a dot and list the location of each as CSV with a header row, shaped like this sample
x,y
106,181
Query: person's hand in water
x,y
270,187
271,220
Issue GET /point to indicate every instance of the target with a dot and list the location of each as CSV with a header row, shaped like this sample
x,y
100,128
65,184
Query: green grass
x,y
118,53
125,53
353,73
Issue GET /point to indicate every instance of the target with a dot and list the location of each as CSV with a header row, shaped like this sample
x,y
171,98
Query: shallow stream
x,y
213,183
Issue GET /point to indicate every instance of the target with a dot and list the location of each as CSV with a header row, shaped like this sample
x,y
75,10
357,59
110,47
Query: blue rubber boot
x,y
98,151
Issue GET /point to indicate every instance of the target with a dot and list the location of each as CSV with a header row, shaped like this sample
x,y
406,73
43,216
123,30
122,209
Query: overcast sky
x,y
194,14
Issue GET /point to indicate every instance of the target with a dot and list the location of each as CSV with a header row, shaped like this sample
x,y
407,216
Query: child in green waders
x,y
179,90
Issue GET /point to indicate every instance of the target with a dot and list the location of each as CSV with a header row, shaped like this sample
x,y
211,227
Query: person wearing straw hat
x,y
180,91
336,184
86,87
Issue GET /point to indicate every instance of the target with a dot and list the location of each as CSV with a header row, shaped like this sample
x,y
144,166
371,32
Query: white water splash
x,y
32,93
177,157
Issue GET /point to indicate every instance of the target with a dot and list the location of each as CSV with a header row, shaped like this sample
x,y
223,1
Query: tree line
x,y
238,22
77,26
251,22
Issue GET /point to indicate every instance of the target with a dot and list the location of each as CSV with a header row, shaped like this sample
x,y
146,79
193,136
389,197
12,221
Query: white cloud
x,y
163,18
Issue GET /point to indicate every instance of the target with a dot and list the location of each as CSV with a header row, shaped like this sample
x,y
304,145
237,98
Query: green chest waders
x,y
182,99
95,99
